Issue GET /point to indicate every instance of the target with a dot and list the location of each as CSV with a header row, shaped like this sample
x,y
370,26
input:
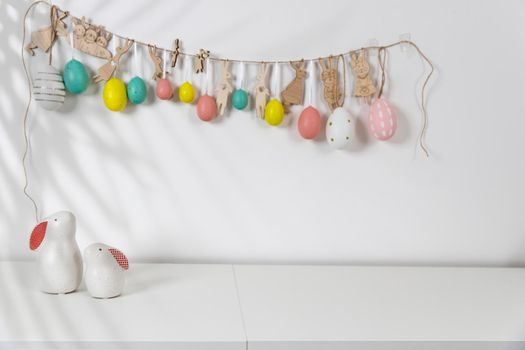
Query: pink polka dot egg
x,y
382,120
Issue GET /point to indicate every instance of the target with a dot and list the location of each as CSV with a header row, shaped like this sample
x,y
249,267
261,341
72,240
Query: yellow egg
x,y
114,95
274,112
186,92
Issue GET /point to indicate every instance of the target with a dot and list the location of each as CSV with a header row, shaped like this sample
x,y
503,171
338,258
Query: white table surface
x,y
175,306
172,306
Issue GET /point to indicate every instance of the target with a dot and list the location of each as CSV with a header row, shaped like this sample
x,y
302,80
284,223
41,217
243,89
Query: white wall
x,y
161,185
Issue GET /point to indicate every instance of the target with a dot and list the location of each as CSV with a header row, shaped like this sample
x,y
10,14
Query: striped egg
x,y
48,87
382,120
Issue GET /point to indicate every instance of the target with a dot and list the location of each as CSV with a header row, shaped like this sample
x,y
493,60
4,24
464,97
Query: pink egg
x,y
206,108
164,89
309,123
382,120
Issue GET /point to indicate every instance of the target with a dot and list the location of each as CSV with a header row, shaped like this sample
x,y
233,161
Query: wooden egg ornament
x,y
206,108
75,77
164,89
309,124
240,99
382,120
114,95
186,92
274,112
137,90
339,128
48,88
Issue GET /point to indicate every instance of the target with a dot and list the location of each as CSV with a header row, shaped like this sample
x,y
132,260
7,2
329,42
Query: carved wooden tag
x,y
44,38
107,70
363,85
225,88
199,60
157,62
261,91
330,78
294,92
91,39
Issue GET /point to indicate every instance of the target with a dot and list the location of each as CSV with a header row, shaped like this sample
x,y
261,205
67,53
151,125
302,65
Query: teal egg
x,y
239,99
75,77
137,91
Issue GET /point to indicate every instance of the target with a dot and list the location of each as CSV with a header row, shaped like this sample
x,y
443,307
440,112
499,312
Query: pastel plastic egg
x,y
114,95
382,120
164,89
186,93
309,123
137,90
48,88
240,99
339,128
206,108
274,112
76,79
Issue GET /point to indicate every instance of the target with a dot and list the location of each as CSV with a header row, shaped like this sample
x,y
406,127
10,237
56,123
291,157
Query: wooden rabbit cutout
x,y
261,91
294,92
225,88
199,60
107,70
157,61
45,38
330,78
91,39
363,86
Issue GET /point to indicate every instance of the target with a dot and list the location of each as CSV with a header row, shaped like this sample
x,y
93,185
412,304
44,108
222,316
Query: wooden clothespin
x,y
175,53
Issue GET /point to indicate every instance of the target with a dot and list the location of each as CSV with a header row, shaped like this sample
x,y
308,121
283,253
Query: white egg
x,y
339,128
48,87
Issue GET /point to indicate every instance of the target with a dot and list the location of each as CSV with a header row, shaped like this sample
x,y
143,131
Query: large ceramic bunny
x,y
59,262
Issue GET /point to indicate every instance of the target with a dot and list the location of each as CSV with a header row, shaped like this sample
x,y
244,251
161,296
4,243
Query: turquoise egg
x,y
75,77
137,91
239,99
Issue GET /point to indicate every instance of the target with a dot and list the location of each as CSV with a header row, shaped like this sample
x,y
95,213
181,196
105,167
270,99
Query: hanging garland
x,y
49,86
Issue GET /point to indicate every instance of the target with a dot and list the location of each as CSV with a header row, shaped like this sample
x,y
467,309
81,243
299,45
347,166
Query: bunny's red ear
x,y
37,236
120,257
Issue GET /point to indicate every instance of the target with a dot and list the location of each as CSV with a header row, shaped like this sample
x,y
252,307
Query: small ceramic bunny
x,y
105,270
59,262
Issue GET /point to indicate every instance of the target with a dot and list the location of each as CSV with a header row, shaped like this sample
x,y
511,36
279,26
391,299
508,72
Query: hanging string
x,y
164,63
312,81
239,83
381,56
276,80
27,148
136,60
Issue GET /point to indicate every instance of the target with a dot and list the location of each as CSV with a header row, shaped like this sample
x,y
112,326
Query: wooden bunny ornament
x,y
45,38
294,92
363,85
107,70
261,91
225,88
199,60
157,61
330,78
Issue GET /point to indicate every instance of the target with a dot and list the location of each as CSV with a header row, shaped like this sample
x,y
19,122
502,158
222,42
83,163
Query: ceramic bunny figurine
x,y
105,270
59,262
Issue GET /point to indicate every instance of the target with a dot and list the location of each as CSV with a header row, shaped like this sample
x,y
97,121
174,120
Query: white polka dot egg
x,y
339,128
